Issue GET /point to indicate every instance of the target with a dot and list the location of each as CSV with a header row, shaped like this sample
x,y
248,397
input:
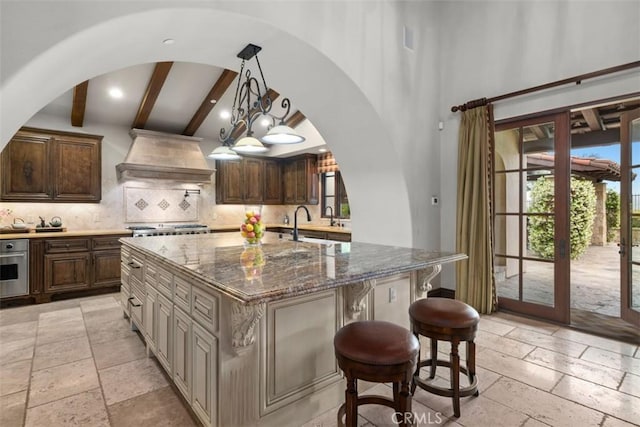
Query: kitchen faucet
x,y
332,222
295,221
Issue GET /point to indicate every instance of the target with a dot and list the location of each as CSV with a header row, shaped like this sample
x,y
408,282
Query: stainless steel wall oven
x,y
14,268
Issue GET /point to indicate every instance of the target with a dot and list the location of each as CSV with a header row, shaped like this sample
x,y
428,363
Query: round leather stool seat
x,y
380,352
450,320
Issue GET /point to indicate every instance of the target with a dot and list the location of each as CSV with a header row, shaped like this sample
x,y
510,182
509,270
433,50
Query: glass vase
x,y
252,227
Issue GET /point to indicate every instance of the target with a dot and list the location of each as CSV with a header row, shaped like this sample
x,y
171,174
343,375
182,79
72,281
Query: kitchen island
x,y
246,333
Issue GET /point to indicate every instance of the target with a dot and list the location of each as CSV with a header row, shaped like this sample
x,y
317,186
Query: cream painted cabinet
x,y
182,352
204,363
150,308
164,329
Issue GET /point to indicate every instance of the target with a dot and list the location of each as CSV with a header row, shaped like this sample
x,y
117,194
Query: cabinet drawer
x,y
125,255
182,292
150,274
66,245
107,242
124,298
136,307
164,283
137,267
204,309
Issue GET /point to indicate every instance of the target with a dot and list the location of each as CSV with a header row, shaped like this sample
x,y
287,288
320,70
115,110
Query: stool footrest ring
x,y
369,399
471,389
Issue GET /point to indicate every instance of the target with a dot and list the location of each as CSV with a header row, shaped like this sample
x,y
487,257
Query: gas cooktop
x,y
162,230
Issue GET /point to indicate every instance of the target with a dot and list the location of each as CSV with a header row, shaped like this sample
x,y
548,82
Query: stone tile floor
x,y
77,363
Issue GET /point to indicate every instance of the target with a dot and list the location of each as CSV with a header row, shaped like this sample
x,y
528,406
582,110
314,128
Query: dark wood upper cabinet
x,y
300,180
249,180
43,165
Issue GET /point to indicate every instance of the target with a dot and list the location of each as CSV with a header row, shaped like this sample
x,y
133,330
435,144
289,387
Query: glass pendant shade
x,y
223,153
249,144
282,134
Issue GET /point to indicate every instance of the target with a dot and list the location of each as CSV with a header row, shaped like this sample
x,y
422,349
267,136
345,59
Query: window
x,y
334,194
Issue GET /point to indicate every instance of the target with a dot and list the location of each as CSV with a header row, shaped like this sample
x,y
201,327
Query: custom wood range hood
x,y
163,156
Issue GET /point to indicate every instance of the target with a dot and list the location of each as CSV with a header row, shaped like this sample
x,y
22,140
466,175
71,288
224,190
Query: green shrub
x,y
612,206
582,214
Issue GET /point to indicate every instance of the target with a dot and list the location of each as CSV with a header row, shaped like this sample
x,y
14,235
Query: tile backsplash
x,y
159,205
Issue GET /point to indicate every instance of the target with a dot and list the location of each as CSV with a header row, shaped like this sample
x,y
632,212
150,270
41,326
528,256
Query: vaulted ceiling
x,y
174,97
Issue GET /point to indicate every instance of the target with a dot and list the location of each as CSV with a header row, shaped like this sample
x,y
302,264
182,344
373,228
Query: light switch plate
x,y
435,201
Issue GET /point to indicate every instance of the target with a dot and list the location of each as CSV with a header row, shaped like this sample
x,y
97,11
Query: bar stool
x,y
450,320
379,352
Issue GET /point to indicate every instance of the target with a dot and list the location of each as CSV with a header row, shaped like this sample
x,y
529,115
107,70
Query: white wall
x,y
376,103
489,48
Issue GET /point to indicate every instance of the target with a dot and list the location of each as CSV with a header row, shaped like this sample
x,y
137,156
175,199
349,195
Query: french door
x,y
531,216
630,240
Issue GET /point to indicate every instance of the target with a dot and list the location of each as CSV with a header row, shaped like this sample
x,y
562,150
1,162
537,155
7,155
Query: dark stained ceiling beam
x,y
539,132
592,118
272,95
79,103
156,82
295,119
581,140
216,92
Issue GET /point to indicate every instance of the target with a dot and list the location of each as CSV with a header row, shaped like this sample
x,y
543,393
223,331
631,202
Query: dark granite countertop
x,y
280,268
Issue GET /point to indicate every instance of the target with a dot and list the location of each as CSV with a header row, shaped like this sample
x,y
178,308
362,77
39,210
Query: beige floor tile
x,y
14,377
107,325
544,407
131,379
61,315
532,422
589,371
12,409
550,342
631,384
82,409
637,355
157,408
62,381
10,316
502,344
488,324
61,352
596,341
17,350
520,370
99,304
120,351
610,421
329,419
524,322
18,331
612,359
612,402
482,412
50,331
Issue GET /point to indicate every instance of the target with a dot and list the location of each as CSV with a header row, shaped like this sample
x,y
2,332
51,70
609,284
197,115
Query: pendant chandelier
x,y
251,102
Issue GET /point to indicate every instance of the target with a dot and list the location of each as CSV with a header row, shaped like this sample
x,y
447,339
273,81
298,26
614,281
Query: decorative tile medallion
x,y
141,204
163,205
184,205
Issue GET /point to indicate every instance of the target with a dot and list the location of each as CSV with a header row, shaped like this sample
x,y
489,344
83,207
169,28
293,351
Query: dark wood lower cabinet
x,y
71,266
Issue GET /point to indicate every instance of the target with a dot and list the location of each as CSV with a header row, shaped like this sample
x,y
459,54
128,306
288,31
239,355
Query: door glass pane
x,y
634,283
537,282
635,287
507,192
540,232
506,235
507,277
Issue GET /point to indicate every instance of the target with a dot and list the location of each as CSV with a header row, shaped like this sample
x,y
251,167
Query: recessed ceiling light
x,y
116,92
224,114
322,150
168,41
213,101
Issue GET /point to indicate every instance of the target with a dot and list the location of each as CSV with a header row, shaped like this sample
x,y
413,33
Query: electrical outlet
x,y
435,201
393,294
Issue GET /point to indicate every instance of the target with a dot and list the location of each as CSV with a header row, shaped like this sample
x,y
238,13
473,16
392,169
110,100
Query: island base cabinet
x,y
164,349
182,352
150,327
204,364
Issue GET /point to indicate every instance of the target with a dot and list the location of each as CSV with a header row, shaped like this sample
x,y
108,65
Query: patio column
x,y
599,237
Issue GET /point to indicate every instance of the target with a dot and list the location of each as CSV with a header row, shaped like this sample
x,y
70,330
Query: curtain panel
x,y
475,280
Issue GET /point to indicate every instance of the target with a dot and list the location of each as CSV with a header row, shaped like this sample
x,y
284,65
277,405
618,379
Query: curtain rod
x,y
577,80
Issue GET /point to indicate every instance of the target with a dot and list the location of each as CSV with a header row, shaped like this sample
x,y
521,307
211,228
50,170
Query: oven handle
x,y
14,255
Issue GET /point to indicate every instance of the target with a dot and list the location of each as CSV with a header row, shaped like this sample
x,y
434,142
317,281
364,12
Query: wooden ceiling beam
x,y
538,132
160,73
295,119
272,95
216,92
592,118
79,103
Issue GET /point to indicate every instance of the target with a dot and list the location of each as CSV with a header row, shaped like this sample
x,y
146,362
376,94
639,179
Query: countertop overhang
x,y
290,268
